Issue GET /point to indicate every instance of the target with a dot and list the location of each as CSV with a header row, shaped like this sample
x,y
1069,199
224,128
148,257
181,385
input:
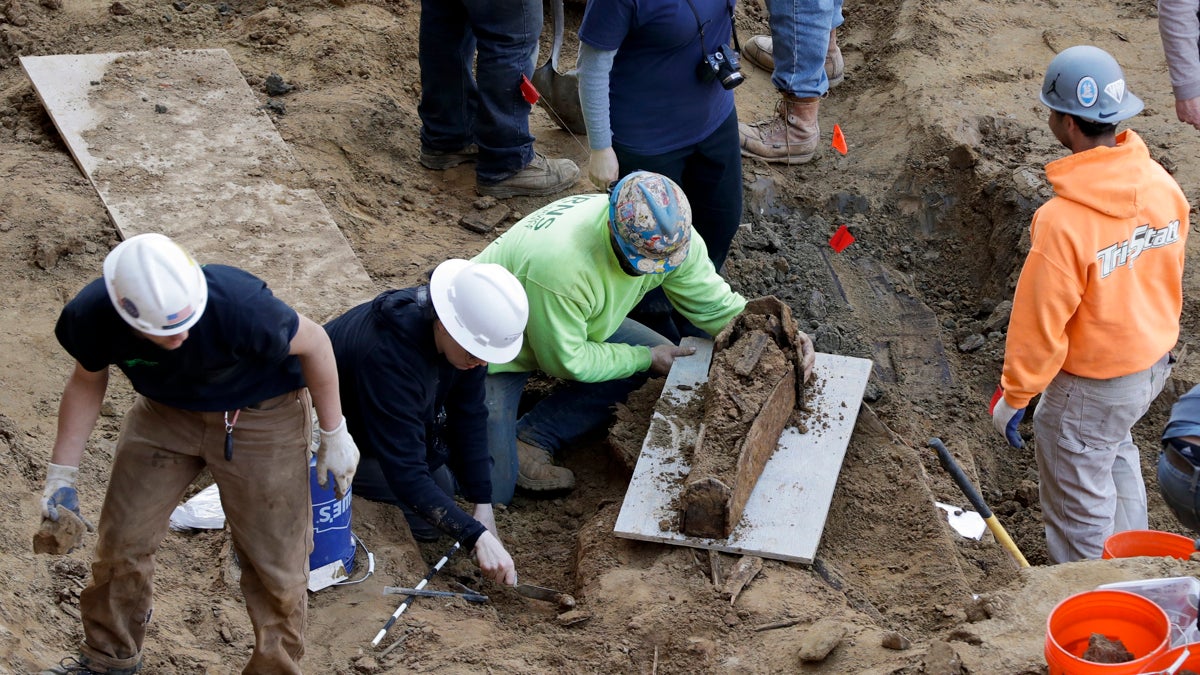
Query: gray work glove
x,y
337,455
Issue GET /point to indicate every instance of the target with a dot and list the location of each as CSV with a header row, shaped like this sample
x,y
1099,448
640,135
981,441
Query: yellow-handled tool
x,y
972,495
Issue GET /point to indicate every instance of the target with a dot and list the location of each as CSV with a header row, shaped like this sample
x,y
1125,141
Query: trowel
x,y
564,600
559,92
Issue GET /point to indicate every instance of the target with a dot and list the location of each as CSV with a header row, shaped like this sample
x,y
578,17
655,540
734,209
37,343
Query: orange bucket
x,y
1134,543
1141,625
1169,657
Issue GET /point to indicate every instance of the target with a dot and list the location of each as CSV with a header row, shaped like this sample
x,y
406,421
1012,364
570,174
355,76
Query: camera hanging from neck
x,y
700,26
723,63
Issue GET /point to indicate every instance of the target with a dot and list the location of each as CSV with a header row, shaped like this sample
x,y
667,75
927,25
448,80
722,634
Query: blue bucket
x,y
332,539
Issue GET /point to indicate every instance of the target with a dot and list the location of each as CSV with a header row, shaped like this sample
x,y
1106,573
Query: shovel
x,y
976,500
559,92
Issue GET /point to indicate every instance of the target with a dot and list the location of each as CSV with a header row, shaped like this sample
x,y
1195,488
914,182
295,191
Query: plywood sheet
x,y
175,142
786,513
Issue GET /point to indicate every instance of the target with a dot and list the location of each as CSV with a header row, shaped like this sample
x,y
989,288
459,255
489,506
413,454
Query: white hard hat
x,y
155,285
483,307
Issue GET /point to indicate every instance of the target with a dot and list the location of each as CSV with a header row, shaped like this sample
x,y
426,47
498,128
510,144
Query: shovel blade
x,y
560,97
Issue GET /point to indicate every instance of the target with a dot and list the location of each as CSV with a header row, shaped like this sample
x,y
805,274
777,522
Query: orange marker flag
x,y
528,91
841,239
839,140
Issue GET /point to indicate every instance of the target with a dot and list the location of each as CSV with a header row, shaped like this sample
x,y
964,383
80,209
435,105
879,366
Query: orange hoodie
x,y
1102,288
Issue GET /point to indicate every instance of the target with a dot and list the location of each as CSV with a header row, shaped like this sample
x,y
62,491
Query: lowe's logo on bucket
x,y
328,515
332,539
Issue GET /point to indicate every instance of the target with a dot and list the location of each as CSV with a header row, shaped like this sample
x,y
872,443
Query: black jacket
x,y
409,408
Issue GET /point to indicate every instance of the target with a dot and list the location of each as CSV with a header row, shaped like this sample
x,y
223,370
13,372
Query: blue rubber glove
x,y
60,491
1006,418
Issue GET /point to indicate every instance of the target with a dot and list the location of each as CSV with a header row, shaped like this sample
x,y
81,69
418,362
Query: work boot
x,y
440,160
540,178
79,666
757,51
835,65
535,471
790,138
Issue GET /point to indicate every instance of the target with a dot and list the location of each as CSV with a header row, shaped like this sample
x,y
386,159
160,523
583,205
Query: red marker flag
x,y
528,91
841,239
839,142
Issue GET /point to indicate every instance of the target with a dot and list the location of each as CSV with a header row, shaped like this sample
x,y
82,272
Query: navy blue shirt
x,y
406,406
657,103
236,355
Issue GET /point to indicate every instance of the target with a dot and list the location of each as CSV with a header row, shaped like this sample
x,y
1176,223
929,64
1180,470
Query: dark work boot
x,y
73,665
440,160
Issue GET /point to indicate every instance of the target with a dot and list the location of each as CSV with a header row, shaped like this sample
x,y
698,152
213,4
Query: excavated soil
x,y
947,143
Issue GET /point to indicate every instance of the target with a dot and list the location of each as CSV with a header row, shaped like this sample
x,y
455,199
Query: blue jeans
x,y
486,108
571,412
1178,488
710,174
799,40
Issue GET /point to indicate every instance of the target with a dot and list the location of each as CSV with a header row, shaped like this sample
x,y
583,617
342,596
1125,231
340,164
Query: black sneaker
x,y
440,160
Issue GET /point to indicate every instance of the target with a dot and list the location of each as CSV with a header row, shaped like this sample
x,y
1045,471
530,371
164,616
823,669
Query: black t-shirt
x,y
236,355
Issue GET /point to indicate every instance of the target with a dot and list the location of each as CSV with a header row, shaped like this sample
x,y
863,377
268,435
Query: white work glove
x,y
60,490
337,455
1005,419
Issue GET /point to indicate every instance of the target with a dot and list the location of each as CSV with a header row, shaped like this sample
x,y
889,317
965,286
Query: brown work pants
x,y
267,502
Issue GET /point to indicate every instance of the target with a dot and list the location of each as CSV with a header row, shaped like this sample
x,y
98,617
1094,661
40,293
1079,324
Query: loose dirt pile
x,y
947,142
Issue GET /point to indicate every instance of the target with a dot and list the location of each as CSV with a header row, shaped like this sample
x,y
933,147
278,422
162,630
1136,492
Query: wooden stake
x,y
776,624
714,566
746,569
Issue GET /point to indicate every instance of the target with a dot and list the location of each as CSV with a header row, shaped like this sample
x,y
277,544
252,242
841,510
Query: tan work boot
x,y
758,51
540,178
835,65
790,138
535,471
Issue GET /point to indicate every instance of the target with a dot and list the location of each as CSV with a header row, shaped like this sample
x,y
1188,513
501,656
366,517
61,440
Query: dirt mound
x,y
946,142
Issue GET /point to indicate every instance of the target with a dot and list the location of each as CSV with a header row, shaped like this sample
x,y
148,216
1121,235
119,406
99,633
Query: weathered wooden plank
x,y
710,508
174,142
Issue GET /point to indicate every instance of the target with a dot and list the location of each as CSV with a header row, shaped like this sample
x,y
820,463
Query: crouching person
x,y
412,364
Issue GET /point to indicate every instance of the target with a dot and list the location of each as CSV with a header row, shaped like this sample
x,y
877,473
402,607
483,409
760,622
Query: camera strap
x,y
700,26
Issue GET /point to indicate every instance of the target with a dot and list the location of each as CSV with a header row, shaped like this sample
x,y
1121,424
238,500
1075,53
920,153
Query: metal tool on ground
x,y
964,484
559,91
400,590
563,600
408,599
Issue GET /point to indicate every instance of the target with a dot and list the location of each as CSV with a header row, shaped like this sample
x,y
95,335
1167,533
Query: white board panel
x,y
174,142
785,514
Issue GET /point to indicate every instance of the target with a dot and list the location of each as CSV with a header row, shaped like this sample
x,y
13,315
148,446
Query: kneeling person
x,y
408,362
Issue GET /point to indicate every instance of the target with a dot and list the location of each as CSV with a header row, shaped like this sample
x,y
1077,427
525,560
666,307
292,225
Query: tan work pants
x,y
267,502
